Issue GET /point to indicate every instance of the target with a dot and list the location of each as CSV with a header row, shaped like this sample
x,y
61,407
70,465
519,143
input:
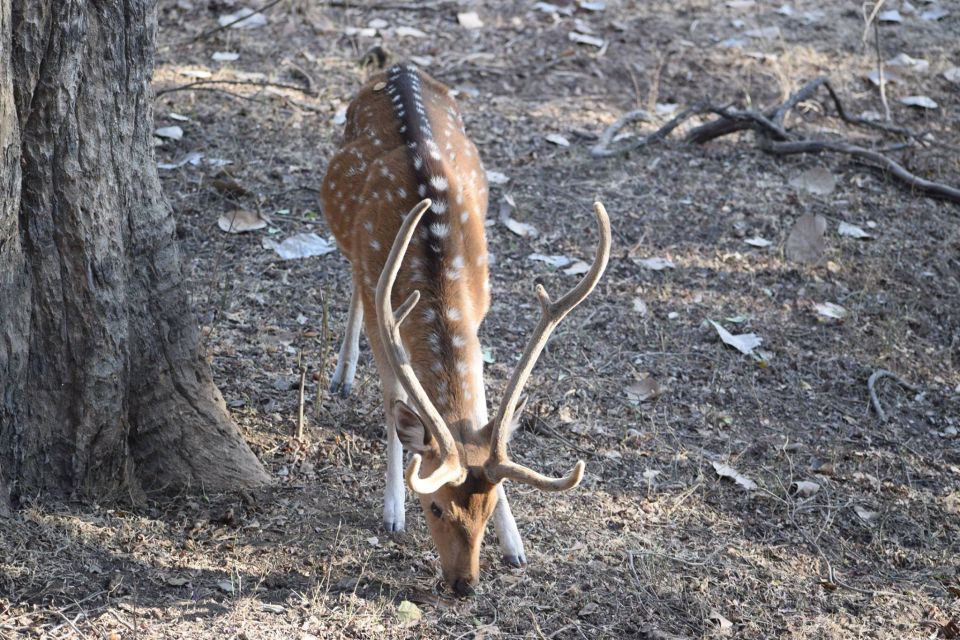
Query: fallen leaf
x,y
921,102
587,609
378,23
176,581
806,243
171,133
639,306
272,608
830,310
952,75
583,38
578,268
644,389
804,488
815,180
178,117
495,177
745,343
340,116
226,586
556,262
194,158
225,56
726,471
724,625
408,612
557,139
766,33
410,32
758,242
655,264
890,16
852,231
741,4
302,245
251,19
373,541
934,13
908,63
240,220
592,6
522,229
865,514
469,20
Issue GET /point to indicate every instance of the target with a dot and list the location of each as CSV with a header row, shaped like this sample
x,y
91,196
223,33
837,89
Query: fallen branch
x,y
872,387
776,139
249,83
895,169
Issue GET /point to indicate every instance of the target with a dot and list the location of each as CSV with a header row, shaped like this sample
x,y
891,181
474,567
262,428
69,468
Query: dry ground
x,y
653,544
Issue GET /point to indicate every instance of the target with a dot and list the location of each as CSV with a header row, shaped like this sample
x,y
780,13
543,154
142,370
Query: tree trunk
x,y
103,392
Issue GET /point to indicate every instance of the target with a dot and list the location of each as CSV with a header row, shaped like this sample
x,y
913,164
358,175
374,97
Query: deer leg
x,y
394,514
342,381
511,546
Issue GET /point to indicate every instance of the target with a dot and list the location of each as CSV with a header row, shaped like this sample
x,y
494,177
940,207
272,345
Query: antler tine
x,y
499,466
389,322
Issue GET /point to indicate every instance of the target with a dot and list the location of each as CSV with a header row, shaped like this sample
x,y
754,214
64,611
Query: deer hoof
x,y
516,561
394,527
341,388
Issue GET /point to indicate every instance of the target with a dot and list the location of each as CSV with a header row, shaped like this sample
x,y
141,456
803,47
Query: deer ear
x,y
517,413
410,428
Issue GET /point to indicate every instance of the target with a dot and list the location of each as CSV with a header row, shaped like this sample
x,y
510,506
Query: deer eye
x,y
435,510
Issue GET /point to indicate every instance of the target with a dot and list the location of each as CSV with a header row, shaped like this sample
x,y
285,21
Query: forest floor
x,y
654,543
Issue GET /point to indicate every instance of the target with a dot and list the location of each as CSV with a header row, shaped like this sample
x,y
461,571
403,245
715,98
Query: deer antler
x,y
449,470
499,466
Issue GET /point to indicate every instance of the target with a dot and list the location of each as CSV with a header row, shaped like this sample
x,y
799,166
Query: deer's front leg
x,y
394,516
511,546
342,380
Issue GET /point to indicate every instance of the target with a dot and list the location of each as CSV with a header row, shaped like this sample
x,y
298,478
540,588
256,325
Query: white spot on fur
x,y
429,315
464,216
422,190
439,183
462,367
440,229
375,245
457,262
439,206
417,162
454,314
368,226
458,341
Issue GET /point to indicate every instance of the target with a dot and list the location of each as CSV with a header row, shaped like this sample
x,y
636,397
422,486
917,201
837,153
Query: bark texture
x,y
102,388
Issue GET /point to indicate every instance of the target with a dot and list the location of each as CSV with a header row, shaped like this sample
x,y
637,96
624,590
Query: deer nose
x,y
463,587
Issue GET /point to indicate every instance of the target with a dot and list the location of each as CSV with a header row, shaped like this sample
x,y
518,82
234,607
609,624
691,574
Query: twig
x,y
871,20
933,189
322,379
218,29
249,83
300,398
395,6
602,148
871,386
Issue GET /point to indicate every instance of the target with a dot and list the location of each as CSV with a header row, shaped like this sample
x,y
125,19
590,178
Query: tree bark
x,y
103,392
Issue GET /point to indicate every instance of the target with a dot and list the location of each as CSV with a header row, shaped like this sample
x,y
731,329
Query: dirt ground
x,y
654,543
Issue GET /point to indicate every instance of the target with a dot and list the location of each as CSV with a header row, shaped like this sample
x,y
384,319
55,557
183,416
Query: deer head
x,y
455,470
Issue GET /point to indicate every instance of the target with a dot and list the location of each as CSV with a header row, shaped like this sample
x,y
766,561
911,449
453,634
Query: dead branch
x,y
602,148
872,387
249,83
895,169
777,140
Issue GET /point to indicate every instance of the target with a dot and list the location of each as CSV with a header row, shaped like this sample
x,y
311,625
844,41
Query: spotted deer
x,y
406,198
